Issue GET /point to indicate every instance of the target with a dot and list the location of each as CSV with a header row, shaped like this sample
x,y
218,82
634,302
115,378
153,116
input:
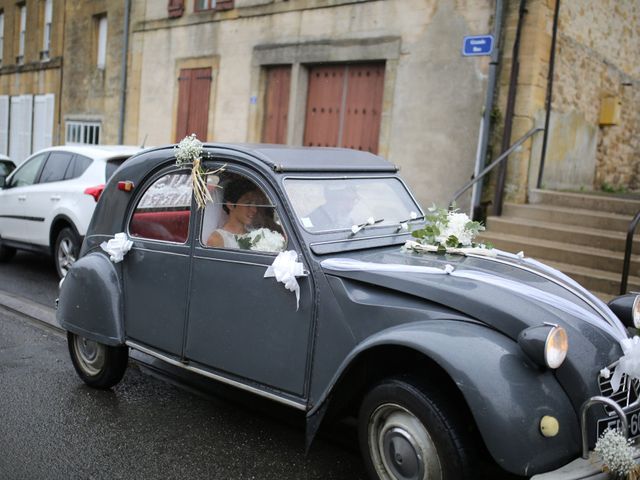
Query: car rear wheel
x,y
66,251
6,253
99,365
407,431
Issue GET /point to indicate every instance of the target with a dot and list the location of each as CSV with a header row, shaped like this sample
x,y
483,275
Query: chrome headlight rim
x,y
635,312
554,356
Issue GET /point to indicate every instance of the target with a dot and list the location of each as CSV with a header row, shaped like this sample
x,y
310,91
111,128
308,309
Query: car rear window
x,y
77,167
112,166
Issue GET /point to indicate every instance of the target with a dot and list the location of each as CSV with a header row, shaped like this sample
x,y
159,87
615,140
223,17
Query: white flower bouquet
x,y
448,229
263,240
617,455
189,152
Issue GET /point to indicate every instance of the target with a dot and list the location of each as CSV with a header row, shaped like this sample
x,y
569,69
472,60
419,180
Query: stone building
x,y
384,76
60,73
31,34
593,141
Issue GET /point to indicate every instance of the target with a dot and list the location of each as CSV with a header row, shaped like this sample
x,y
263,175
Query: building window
x,y
78,132
202,5
22,34
46,34
1,36
101,52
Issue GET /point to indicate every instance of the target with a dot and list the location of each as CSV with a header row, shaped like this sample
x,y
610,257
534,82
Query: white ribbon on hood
x,y
628,363
349,264
285,268
117,247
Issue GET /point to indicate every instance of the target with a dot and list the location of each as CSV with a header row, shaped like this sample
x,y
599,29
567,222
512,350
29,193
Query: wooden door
x,y
343,106
276,112
193,102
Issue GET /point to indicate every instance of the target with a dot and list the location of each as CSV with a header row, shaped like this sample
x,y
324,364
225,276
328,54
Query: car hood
x,y
507,292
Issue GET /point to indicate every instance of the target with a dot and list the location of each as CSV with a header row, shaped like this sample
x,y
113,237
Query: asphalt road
x,y
149,426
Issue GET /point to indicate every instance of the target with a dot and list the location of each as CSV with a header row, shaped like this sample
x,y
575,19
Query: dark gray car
x,y
441,357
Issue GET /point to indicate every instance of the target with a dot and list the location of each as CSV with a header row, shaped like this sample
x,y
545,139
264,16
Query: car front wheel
x,y
66,251
99,365
407,432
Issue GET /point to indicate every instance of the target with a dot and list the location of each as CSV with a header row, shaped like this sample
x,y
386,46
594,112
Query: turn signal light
x,y
125,186
95,192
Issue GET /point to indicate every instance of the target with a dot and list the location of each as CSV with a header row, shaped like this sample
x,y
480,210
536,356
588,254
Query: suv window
x,y
112,166
27,173
164,210
55,167
77,167
241,217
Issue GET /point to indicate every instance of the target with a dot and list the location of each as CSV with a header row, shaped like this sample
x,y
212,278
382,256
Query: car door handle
x,y
55,198
22,198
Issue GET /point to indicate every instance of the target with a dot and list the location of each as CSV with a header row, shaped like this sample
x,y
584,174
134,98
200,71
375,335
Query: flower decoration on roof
x,y
448,231
189,152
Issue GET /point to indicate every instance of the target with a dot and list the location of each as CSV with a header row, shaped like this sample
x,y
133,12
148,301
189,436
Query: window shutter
x,y
176,8
42,121
4,124
20,127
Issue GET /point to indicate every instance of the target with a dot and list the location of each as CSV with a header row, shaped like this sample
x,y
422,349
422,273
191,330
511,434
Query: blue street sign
x,y
477,45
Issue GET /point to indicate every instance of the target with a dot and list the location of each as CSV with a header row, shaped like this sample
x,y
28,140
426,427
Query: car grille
x,y
628,393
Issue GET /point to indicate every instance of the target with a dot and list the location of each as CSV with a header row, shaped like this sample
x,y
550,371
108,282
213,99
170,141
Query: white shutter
x,y
42,121
20,127
4,124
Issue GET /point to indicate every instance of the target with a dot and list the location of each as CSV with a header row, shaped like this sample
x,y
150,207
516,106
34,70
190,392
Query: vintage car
x,y
443,358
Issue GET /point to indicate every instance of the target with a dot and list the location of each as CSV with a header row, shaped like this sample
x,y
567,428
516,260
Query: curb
x,y
34,310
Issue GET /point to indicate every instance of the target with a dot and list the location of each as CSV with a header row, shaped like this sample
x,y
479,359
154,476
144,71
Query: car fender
x,y
90,300
506,393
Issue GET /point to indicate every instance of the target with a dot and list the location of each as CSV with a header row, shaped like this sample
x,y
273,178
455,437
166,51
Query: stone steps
x,y
592,202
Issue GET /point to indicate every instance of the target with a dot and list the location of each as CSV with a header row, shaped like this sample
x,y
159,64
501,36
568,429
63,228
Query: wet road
x,y
53,426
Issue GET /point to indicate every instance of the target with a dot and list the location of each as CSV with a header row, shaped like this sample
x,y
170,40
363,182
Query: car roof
x,y
103,152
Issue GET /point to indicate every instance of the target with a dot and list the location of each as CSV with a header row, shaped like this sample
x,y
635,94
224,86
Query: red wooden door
x,y
193,102
277,105
343,106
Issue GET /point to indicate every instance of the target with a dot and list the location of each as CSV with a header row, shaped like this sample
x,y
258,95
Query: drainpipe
x,y
485,123
552,61
123,71
508,121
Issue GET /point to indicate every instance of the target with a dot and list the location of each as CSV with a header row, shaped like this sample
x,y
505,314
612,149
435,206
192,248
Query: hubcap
x,y
401,447
91,355
66,255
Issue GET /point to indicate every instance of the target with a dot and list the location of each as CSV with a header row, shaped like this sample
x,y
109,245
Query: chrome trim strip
x,y
164,252
360,239
568,288
228,381
200,257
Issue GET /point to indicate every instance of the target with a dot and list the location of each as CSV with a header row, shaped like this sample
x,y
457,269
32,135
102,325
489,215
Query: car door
x,y
14,222
240,322
45,196
156,269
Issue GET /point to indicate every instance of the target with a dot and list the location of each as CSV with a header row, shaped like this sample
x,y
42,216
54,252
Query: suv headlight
x,y
547,345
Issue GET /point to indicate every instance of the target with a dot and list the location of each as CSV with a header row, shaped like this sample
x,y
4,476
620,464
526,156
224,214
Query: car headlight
x,y
627,309
635,312
547,345
556,347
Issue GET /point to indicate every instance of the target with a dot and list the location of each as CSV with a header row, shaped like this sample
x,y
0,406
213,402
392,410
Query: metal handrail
x,y
493,164
627,253
583,419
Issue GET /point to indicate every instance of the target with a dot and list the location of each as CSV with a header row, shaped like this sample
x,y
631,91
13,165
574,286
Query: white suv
x,y
47,202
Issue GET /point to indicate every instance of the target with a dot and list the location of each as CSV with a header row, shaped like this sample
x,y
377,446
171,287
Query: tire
x,y
66,250
6,253
98,365
408,431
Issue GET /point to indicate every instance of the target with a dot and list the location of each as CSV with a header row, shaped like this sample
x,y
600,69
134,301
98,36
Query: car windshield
x,y
323,204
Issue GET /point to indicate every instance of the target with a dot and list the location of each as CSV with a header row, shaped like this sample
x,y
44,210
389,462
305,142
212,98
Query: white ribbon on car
x,y
628,363
419,247
117,247
349,264
285,268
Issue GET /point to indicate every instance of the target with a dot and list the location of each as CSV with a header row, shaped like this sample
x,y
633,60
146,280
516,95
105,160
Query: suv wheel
x,y
66,250
6,253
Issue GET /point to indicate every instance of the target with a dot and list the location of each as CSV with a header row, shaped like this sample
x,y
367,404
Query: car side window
x,y
27,173
164,210
77,167
55,167
241,216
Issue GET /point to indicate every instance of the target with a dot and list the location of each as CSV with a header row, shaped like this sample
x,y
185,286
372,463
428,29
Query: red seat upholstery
x,y
171,226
